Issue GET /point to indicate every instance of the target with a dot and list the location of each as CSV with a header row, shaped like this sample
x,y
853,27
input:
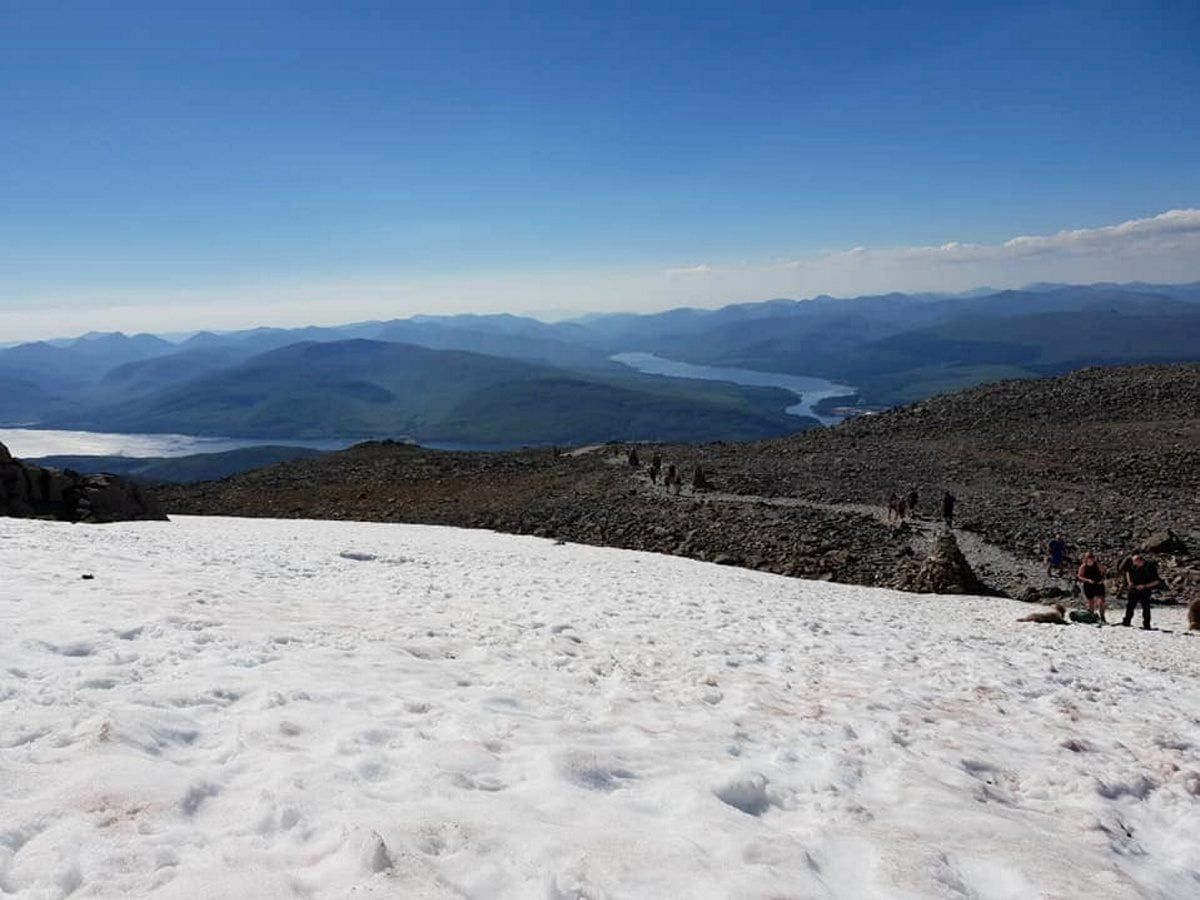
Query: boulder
x,y
29,491
1164,542
947,571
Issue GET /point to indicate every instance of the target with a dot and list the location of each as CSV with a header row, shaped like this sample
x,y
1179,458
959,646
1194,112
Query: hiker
x,y
1056,554
670,478
634,462
948,501
699,482
913,497
1142,578
893,507
901,509
1091,575
655,468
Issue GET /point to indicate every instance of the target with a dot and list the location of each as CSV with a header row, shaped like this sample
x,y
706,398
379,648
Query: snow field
x,y
256,708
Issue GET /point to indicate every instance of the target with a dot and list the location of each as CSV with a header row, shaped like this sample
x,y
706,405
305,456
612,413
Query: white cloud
x,y
690,271
1175,231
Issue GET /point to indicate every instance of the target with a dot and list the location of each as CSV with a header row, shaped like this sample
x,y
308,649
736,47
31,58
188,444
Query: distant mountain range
x,y
511,379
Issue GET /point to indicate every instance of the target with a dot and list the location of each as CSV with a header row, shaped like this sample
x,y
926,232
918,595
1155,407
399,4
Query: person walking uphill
x,y
948,501
1142,578
1056,554
1091,576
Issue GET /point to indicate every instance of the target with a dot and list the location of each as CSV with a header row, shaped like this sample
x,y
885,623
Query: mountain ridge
x,y
893,348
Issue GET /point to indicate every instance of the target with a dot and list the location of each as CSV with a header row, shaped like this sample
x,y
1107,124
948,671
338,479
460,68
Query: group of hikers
x,y
672,480
1136,574
901,506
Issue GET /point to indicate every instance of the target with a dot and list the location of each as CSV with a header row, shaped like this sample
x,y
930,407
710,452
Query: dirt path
x,y
994,565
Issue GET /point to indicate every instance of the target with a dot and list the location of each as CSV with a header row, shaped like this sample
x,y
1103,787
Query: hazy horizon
x,y
180,335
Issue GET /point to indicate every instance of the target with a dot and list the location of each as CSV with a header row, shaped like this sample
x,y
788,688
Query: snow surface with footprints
x,y
257,708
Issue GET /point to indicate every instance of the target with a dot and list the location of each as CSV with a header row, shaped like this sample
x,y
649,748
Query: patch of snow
x,y
231,707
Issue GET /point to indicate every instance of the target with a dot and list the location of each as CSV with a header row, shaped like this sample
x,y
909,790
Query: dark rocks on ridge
x,y
33,492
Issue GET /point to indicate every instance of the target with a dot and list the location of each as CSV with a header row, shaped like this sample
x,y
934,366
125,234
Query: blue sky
x,y
224,164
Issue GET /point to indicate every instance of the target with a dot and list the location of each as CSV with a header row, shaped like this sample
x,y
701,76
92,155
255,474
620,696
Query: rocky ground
x,y
1109,456
591,498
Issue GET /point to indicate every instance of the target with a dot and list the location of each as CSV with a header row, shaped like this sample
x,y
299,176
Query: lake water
x,y
809,390
30,443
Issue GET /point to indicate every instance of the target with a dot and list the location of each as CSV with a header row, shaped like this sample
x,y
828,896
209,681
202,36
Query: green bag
x,y
1083,616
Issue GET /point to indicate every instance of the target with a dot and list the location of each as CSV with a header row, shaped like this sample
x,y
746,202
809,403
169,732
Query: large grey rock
x,y
1164,542
947,571
29,491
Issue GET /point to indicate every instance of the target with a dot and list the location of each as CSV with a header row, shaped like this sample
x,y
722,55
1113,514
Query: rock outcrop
x,y
33,492
947,571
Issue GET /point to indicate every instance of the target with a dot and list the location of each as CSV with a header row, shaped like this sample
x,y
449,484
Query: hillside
x,y
184,469
370,388
1110,456
342,709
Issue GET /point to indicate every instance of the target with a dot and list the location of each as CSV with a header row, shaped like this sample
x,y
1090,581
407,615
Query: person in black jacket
x,y
1142,578
948,501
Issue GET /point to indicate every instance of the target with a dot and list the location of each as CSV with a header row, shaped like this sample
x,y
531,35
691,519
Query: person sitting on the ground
x,y
1142,578
1056,554
1091,575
